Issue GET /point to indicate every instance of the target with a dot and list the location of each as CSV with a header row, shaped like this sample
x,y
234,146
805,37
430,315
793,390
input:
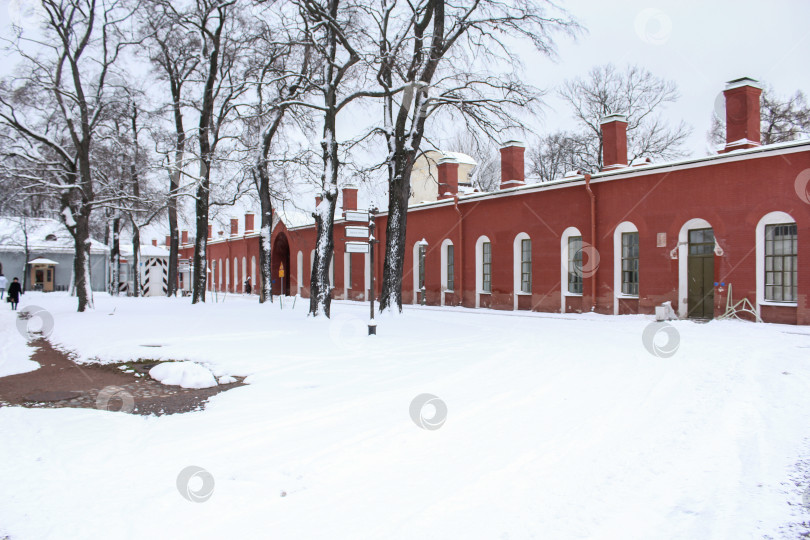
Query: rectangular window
x,y
451,268
486,270
526,265
575,264
781,272
422,253
630,263
349,277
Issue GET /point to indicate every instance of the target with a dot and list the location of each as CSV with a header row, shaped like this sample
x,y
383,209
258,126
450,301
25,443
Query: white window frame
x,y
445,244
416,271
299,272
621,228
567,233
347,278
517,257
244,271
479,268
253,281
772,218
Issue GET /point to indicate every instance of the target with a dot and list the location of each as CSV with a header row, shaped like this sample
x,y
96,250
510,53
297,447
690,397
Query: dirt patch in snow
x,y
61,382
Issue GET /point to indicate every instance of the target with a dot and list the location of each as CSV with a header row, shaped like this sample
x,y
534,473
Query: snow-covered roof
x,y
42,260
147,250
461,158
44,235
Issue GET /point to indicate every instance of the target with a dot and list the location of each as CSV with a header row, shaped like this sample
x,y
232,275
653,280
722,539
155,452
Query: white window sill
x,y
778,304
484,292
579,295
521,293
626,297
448,291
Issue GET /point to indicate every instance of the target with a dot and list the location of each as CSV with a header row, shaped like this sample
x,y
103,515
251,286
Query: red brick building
x,y
622,240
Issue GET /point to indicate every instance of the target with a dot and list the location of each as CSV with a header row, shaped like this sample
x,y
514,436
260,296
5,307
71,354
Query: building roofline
x,y
790,147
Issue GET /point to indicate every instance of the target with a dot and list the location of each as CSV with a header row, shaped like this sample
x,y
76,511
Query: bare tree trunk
x,y
115,256
265,232
136,252
201,236
393,268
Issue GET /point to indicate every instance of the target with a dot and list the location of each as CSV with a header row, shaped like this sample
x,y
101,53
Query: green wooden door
x,y
700,274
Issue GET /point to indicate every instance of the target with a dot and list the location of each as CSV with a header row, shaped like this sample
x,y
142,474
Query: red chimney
x,y
448,177
168,240
154,242
184,237
742,114
210,231
614,141
249,222
349,198
234,226
318,200
512,165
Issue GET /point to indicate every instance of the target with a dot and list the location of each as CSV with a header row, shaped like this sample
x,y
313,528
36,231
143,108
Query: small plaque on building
x,y
356,215
357,232
662,239
356,247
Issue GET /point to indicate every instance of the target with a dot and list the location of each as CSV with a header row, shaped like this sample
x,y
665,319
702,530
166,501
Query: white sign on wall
x,y
357,232
356,215
356,247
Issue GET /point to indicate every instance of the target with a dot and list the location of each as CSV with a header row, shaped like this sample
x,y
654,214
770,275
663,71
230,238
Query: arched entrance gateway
x,y
281,265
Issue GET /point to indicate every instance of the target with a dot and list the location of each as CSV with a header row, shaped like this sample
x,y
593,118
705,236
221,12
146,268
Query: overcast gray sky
x,y
698,44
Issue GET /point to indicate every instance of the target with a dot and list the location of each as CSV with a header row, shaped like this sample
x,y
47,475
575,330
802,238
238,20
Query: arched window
x,y
299,271
235,275
448,262
570,264
311,266
419,256
347,274
227,276
253,273
219,271
244,271
522,266
625,263
777,272
483,268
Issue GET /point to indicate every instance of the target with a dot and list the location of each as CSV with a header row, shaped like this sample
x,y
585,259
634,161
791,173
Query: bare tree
x,y
634,92
174,53
281,75
781,120
55,105
421,46
221,31
559,153
331,31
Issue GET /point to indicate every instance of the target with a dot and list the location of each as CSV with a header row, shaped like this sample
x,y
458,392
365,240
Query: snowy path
x,y
557,427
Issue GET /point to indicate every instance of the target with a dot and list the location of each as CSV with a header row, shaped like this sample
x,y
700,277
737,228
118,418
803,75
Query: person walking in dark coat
x,y
14,292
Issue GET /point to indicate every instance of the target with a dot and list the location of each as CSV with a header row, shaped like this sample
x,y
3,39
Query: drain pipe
x,y
460,247
593,237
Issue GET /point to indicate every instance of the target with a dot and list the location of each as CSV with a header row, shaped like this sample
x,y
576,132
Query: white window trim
x,y
445,243
311,264
621,228
479,269
299,272
244,270
567,233
332,272
347,279
367,275
772,218
416,272
253,281
517,259
683,256
235,275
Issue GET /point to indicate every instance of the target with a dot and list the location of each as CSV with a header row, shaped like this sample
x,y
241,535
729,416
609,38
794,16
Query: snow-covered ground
x,y
556,427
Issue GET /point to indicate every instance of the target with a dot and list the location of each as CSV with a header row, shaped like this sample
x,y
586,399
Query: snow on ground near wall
x,y
185,374
14,349
558,426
